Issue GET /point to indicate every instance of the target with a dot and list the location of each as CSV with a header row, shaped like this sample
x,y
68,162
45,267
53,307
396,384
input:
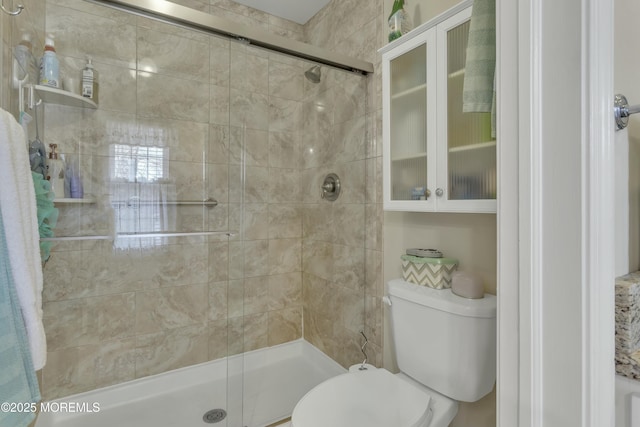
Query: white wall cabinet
x,y
435,157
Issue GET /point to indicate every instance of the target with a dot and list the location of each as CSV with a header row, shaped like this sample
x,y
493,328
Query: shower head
x,y
313,74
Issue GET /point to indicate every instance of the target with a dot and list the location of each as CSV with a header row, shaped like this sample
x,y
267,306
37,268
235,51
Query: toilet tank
x,y
446,342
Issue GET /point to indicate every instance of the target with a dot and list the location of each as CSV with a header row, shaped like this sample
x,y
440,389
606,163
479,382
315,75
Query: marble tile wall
x,y
342,241
116,312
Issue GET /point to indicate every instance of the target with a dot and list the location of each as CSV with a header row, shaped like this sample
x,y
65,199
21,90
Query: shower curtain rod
x,y
190,18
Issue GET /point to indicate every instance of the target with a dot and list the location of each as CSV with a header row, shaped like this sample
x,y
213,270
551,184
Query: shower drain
x,y
214,416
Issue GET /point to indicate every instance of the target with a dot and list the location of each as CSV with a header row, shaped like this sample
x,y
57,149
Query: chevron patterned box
x,y
432,272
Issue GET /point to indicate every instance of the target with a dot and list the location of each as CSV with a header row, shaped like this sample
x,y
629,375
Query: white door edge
x,y
599,216
526,369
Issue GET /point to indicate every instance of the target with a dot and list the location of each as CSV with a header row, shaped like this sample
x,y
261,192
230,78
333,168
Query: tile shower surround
x,y
116,315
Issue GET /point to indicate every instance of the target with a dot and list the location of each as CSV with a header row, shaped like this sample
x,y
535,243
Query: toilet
x,y
446,352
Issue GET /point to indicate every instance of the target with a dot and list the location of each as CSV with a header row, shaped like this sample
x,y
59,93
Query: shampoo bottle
x,y
49,65
90,81
55,172
26,63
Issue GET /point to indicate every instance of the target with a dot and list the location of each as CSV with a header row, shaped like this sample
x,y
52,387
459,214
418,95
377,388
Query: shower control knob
x,y
330,188
439,192
327,188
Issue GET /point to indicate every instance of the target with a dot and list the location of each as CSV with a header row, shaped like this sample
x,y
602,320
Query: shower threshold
x,y
256,389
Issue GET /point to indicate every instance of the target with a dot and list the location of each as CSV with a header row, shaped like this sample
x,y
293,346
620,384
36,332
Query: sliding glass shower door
x,y
203,234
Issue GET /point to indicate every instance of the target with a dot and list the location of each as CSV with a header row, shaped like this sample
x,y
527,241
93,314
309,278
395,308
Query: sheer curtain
x,y
140,187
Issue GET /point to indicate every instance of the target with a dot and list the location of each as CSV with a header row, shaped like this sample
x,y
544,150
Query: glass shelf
x,y
472,147
52,95
409,157
410,91
83,201
458,73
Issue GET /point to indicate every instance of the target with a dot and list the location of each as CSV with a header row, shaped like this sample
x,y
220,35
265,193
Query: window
x,y
140,188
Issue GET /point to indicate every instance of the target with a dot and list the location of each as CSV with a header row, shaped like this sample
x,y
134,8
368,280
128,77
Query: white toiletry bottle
x,y
55,172
26,63
90,81
49,65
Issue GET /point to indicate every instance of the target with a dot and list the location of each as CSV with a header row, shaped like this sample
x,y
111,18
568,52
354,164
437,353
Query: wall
x,y
333,260
471,238
148,306
344,298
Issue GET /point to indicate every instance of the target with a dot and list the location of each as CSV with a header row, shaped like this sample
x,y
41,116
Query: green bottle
x,y
399,22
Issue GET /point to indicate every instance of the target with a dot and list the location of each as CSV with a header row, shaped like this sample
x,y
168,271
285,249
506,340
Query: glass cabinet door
x,y
436,157
470,155
410,125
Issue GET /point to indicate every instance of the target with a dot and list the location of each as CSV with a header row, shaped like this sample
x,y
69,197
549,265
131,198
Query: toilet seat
x,y
364,399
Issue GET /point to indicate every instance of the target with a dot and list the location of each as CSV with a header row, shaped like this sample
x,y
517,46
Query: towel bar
x,y
139,236
622,111
210,202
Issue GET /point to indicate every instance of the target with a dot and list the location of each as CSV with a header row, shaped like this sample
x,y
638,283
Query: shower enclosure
x,y
202,234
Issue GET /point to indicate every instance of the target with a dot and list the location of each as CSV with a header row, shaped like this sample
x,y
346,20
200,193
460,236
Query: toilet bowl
x,y
373,398
445,350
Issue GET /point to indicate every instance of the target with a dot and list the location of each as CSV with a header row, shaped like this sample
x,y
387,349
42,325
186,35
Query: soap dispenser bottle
x,y
55,172
49,65
90,81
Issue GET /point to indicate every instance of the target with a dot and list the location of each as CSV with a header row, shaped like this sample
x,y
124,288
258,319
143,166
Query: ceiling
x,y
299,11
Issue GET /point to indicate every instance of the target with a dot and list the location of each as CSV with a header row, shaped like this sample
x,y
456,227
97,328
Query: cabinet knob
x,y
427,193
439,192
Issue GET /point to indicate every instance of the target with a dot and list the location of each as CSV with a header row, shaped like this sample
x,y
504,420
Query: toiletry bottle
x,y
399,21
74,183
55,172
90,82
25,61
49,65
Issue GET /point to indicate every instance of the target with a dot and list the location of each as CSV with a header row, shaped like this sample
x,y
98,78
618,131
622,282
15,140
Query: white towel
x,y
18,207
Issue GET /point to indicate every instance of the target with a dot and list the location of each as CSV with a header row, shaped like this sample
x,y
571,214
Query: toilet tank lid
x,y
443,299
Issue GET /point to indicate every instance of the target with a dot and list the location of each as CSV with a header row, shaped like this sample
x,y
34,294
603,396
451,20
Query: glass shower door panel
x,y
471,146
408,125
